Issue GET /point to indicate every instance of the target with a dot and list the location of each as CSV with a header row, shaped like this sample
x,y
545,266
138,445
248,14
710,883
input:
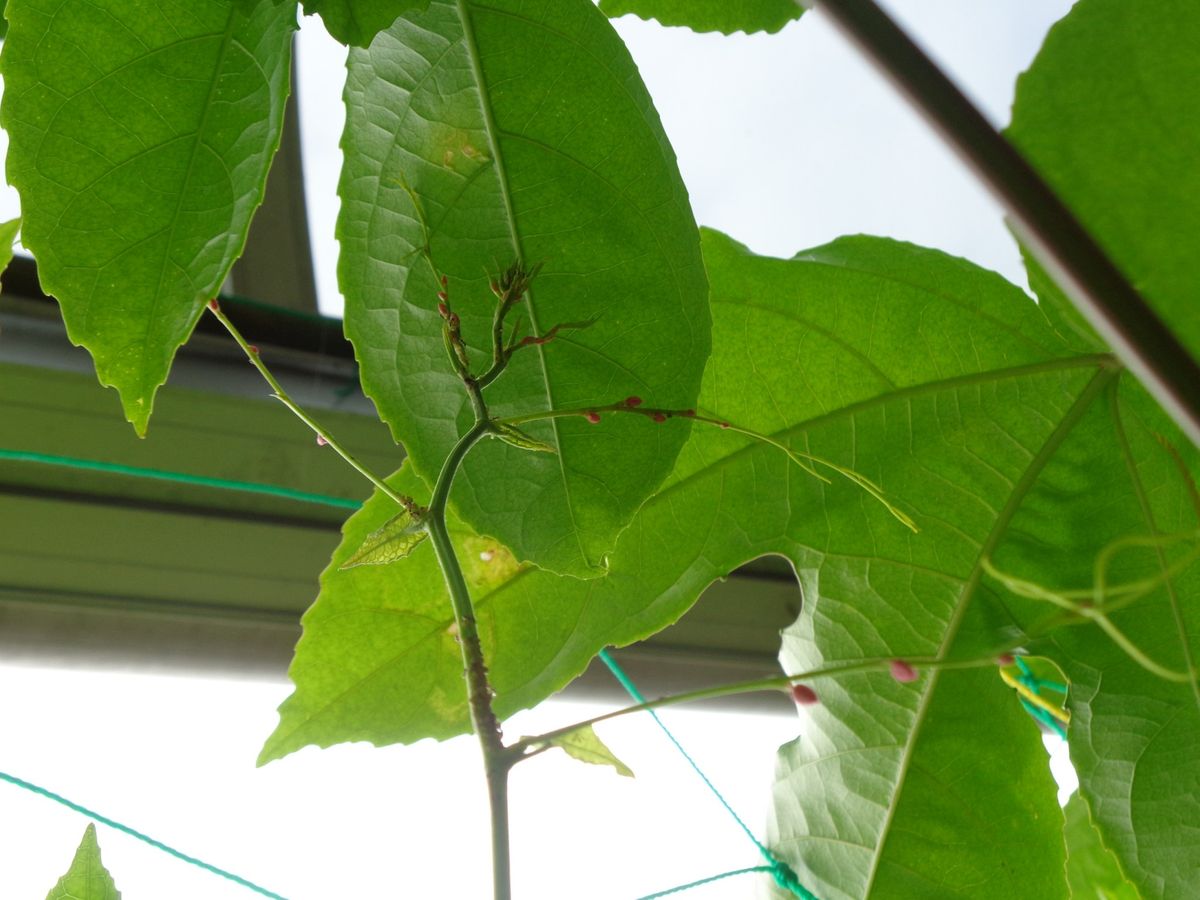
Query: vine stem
x,y
531,746
496,757
281,395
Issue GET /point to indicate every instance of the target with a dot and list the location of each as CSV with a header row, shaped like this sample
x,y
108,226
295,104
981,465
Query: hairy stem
x,y
252,354
496,758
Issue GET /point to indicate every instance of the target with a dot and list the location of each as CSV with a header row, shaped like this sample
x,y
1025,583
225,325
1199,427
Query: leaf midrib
x,y
493,135
1020,490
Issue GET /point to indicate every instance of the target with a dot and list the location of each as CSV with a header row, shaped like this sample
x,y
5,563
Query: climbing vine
x,y
976,493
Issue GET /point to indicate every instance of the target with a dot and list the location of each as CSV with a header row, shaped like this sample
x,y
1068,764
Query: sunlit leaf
x,y
87,879
726,16
140,139
398,537
505,131
1110,114
585,746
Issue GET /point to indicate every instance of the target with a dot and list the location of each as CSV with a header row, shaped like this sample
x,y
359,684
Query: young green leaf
x,y
356,22
725,16
585,746
515,437
140,139
87,879
1108,113
503,131
398,537
1092,871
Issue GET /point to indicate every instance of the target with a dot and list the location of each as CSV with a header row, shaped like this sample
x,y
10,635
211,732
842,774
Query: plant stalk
x,y
252,354
1042,221
496,758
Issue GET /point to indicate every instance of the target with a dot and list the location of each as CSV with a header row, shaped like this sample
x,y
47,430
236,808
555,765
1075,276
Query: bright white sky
x,y
785,142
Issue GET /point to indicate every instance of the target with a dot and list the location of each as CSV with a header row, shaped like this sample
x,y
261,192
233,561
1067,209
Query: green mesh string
x,y
146,839
246,487
783,874
1035,684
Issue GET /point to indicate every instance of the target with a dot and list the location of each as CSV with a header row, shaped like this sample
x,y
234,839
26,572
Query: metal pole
x,y
1042,222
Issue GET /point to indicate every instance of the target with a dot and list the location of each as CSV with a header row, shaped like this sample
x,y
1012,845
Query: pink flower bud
x,y
804,695
902,671
593,417
633,401
321,442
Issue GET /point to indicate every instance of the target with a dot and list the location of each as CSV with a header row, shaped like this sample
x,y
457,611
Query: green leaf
x,y
356,22
1109,113
1092,871
585,746
515,437
8,236
140,138
87,879
725,16
510,130
398,537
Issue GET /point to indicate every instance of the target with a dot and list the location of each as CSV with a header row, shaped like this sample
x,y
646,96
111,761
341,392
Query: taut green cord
x,y
246,487
703,881
146,839
783,874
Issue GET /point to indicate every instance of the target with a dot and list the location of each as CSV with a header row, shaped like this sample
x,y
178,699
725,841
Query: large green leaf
x,y
356,22
506,130
1109,113
87,879
1092,871
725,16
844,347
140,137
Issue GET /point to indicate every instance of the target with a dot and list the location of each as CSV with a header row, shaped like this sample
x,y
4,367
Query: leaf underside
x,y
725,16
585,745
1110,115
141,135
512,130
87,879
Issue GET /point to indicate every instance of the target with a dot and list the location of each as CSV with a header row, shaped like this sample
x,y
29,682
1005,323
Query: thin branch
x,y
323,435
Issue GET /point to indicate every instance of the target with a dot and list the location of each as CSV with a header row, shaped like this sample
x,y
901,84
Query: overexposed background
x,y
785,142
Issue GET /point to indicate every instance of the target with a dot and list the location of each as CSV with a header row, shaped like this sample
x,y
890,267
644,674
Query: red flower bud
x,y
445,281
214,305
252,348
689,413
443,296
659,417
495,289
804,695
593,417
1005,659
443,310
724,424
633,401
454,321
902,671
